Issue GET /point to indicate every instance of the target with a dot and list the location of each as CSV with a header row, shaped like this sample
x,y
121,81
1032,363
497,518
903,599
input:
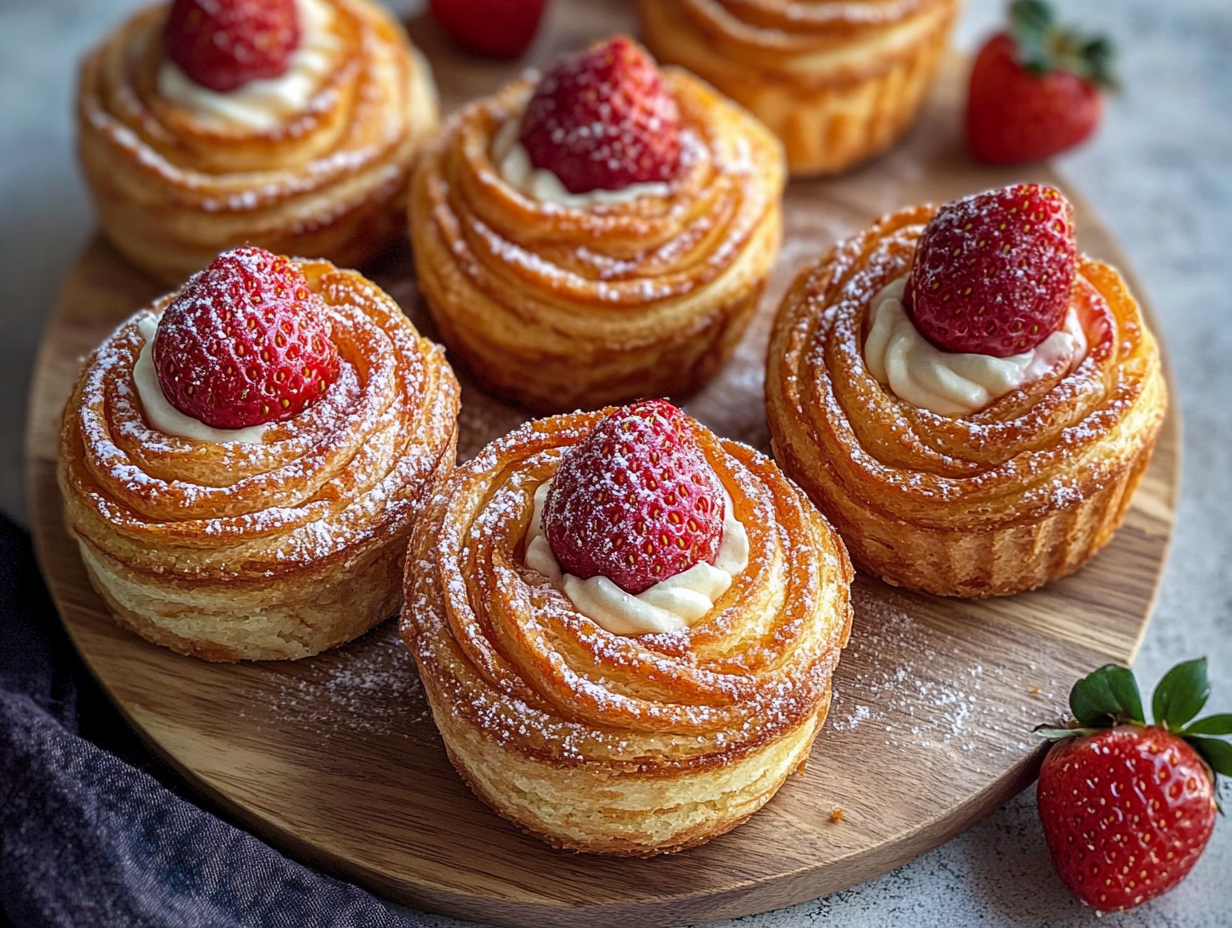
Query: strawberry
x,y
601,120
1035,90
224,44
1127,808
992,272
499,28
245,343
635,501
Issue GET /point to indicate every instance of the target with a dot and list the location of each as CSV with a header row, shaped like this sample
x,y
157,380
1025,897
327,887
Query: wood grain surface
x,y
336,759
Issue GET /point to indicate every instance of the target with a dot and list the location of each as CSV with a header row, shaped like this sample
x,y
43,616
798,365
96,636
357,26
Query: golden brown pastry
x,y
630,742
313,162
267,544
561,300
1002,497
837,80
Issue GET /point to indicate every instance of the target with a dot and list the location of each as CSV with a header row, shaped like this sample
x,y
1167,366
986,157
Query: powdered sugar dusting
x,y
901,685
368,687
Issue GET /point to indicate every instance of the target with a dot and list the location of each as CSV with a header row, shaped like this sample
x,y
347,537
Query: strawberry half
x,y
500,28
635,501
1035,90
992,272
224,44
601,120
1127,808
245,343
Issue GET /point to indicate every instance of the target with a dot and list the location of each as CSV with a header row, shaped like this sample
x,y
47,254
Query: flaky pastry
x,y
611,744
176,183
269,550
998,501
837,80
560,307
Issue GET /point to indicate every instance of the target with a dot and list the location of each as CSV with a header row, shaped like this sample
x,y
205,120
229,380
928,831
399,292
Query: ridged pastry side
x,y
837,81
627,746
173,191
232,551
561,308
1003,500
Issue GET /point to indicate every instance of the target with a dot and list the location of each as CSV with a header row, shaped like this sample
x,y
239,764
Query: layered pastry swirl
x,y
313,162
577,303
260,546
621,744
990,501
837,80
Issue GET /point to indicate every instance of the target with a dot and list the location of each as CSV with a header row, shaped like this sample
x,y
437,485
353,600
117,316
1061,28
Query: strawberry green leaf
x,y
1211,725
1106,697
1031,24
1215,752
1031,17
1181,694
1045,46
1098,56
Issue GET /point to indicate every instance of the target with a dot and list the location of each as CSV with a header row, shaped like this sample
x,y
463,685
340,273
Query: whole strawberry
x,y
992,272
499,28
1036,90
224,44
245,343
601,120
635,501
1127,808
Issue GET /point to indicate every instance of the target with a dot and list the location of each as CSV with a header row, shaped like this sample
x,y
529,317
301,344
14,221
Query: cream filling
x,y
264,104
514,164
952,383
667,606
165,417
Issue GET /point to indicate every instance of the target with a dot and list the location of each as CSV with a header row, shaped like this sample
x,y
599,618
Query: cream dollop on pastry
x,y
988,502
956,383
277,549
626,745
669,605
560,300
314,162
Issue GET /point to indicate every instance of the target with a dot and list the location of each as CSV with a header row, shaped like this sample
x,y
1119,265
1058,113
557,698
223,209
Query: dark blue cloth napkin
x,y
94,830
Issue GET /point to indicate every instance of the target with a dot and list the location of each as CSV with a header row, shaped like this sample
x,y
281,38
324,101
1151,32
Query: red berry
x,y
1035,90
245,343
993,272
1015,116
500,28
635,501
601,120
1126,813
224,44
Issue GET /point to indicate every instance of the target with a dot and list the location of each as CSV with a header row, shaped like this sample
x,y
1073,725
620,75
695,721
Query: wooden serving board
x,y
336,758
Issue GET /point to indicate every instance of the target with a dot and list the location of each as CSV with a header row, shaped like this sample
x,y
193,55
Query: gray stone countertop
x,y
1160,174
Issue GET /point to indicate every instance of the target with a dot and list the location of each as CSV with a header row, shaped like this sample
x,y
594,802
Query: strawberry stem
x,y
1044,46
1109,697
1106,698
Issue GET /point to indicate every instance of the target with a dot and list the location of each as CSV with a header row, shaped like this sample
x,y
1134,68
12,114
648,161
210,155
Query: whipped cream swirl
x,y
952,383
166,418
264,104
667,606
514,164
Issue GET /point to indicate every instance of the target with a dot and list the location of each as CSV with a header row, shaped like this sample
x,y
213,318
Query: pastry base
x,y
597,810
300,616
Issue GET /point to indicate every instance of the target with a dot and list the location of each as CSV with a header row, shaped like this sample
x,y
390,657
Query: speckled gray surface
x,y
1159,173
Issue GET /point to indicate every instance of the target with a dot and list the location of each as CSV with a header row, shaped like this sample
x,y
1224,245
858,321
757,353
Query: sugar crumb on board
x,y
896,684
370,687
